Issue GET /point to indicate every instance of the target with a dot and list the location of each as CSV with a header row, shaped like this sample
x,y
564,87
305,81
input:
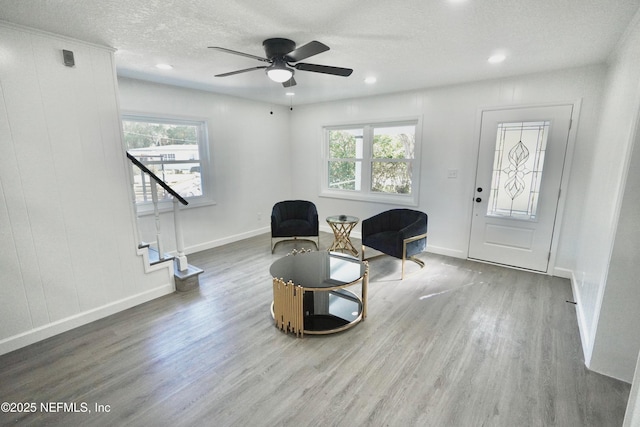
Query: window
x,y
173,149
374,161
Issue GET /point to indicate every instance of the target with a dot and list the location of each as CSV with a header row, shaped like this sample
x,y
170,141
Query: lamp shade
x,y
279,75
279,72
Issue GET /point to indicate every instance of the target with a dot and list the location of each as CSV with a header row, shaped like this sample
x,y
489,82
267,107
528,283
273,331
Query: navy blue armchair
x,y
401,233
293,220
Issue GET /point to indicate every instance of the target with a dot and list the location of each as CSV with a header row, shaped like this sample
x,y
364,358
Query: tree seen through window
x,y
378,159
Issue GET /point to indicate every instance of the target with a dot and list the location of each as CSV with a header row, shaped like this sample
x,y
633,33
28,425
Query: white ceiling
x,y
405,44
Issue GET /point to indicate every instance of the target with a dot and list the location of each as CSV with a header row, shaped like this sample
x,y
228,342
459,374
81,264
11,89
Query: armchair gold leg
x,y
316,242
404,254
412,258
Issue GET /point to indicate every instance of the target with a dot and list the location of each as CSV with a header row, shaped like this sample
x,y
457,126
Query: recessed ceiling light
x,y
290,93
497,58
370,80
164,66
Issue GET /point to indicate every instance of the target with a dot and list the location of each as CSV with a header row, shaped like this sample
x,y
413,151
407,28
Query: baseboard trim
x,y
49,330
582,324
230,239
565,273
454,253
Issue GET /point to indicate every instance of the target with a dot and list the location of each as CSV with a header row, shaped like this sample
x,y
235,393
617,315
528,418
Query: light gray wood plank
x,y
455,344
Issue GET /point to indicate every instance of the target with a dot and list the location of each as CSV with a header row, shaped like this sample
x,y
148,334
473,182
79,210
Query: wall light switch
x,y
452,173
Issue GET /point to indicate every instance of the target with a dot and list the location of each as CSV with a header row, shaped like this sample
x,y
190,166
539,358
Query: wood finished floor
x,y
456,344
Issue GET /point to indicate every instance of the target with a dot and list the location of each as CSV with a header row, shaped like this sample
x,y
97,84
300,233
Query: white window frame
x,y
365,193
146,207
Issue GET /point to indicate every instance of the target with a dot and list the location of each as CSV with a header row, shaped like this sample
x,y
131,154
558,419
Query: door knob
x,y
479,189
478,199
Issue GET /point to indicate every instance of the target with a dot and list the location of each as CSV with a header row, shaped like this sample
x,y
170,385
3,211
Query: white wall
x,y
272,157
607,261
625,271
67,237
249,150
450,141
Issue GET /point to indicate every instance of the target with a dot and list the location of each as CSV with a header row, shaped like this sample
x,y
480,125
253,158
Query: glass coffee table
x,y
310,295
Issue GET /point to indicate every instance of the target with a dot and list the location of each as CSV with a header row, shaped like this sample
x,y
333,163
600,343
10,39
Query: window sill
x,y
370,197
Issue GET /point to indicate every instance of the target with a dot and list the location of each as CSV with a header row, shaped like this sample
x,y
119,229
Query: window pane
x,y
517,169
344,175
345,143
170,151
391,177
394,142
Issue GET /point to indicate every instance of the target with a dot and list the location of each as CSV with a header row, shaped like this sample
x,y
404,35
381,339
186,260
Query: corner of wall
x,y
585,334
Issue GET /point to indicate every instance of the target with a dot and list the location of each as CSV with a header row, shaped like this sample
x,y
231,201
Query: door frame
x,y
564,182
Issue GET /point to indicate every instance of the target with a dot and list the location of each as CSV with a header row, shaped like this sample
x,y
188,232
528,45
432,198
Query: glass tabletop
x,y
318,269
342,218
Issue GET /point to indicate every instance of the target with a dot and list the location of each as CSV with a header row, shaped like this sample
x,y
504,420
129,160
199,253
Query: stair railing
x,y
154,182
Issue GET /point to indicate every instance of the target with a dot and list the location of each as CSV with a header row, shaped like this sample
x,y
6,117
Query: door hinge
x,y
559,193
570,123
549,257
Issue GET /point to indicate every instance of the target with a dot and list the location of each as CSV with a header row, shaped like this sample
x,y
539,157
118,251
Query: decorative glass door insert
x,y
517,169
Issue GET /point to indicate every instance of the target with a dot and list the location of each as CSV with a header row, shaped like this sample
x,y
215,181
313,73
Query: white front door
x,y
520,162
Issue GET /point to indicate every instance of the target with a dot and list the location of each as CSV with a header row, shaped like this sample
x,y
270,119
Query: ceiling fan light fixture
x,y
279,72
280,75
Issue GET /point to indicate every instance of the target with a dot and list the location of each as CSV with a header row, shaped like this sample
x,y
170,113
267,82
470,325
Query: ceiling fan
x,y
280,54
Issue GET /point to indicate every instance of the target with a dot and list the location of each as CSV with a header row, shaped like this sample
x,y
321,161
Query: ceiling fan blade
x,y
303,52
240,71
290,82
235,52
325,69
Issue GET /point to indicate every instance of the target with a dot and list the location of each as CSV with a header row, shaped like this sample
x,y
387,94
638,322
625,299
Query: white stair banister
x,y
156,213
154,181
183,265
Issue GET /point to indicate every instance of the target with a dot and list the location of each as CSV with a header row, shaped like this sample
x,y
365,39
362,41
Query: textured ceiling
x,y
405,44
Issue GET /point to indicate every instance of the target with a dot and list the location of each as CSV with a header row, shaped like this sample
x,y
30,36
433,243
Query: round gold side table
x,y
342,226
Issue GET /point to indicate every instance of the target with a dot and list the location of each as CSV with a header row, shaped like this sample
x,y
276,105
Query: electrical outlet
x,y
259,216
452,173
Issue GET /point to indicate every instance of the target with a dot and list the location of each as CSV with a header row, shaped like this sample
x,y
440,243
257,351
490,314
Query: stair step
x,y
188,279
154,257
185,280
189,272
